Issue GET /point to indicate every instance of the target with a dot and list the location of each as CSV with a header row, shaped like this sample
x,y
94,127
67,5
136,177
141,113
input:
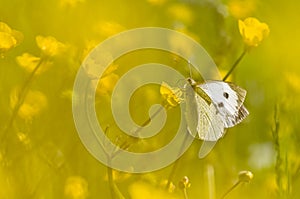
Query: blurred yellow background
x,y
42,44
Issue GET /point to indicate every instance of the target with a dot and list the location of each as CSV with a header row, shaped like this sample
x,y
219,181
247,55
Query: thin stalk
x,y
185,194
111,182
22,96
229,190
235,64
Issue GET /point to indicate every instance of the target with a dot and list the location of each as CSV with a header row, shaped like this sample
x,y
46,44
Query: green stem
x,y
21,98
235,64
229,190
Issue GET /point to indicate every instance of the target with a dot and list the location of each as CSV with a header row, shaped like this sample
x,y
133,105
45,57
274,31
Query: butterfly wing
x,y
210,125
202,118
228,100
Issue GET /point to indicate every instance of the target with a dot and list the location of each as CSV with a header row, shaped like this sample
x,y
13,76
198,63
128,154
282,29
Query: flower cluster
x,y
9,38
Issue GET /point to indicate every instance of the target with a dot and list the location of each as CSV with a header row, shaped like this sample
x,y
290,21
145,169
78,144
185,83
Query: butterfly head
x,y
191,82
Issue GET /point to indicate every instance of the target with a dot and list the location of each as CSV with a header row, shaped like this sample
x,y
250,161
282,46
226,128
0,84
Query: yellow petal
x,y
253,31
9,38
109,28
18,36
33,104
157,2
146,191
107,83
110,69
70,3
5,28
181,12
28,61
241,8
90,45
76,187
50,46
7,41
170,95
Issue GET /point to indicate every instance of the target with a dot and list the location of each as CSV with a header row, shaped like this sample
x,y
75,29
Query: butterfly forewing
x,y
228,100
191,112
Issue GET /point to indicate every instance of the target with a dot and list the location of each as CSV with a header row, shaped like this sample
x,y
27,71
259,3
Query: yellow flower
x,y
170,95
33,104
182,13
76,187
50,46
253,31
108,80
241,8
29,62
157,2
23,138
145,190
70,3
108,28
9,38
90,45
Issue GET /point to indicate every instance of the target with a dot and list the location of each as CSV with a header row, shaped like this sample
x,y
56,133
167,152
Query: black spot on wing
x,y
226,95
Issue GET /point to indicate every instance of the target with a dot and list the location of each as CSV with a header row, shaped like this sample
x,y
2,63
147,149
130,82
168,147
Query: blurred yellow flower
x,y
33,104
30,62
9,38
89,46
170,95
76,187
181,13
109,28
70,3
23,138
50,46
146,191
241,8
185,31
253,31
293,80
108,80
157,2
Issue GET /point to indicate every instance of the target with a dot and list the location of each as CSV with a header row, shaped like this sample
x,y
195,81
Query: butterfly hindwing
x,y
210,126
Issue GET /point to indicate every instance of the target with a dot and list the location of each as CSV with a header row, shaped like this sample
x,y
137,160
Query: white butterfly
x,y
211,108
